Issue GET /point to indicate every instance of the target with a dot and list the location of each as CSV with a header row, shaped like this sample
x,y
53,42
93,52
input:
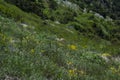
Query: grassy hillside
x,y
65,13
104,7
33,48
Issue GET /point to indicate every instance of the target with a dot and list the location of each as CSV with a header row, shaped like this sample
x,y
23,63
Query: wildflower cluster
x,y
74,72
115,70
72,47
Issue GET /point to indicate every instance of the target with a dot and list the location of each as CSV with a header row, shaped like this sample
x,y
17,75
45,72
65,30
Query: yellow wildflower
x,y
113,69
106,55
69,63
73,47
32,50
71,72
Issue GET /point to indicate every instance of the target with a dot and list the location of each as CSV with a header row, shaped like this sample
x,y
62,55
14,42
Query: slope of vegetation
x,y
27,54
36,48
92,23
104,7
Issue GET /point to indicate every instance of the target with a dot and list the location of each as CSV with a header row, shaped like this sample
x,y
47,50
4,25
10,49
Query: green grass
x,y
35,51
86,23
28,54
12,11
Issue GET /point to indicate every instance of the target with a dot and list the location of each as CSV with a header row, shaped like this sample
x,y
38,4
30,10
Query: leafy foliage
x,y
32,48
46,9
33,6
90,25
30,54
104,7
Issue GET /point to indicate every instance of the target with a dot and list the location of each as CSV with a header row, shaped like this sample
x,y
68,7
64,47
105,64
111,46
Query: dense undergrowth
x,y
32,48
104,7
27,54
90,24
